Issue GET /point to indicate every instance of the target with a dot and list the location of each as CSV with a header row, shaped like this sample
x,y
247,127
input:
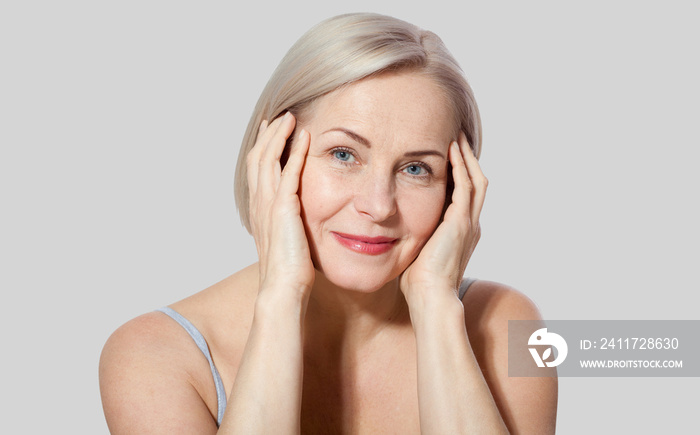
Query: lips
x,y
365,244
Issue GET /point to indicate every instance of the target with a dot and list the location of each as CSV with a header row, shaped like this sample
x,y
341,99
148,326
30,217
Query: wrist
x,y
435,305
279,304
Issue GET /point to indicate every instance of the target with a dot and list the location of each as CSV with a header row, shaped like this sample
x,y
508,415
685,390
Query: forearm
x,y
452,392
266,396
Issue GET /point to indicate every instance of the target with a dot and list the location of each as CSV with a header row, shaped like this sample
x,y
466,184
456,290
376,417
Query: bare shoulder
x,y
154,378
489,302
528,405
149,381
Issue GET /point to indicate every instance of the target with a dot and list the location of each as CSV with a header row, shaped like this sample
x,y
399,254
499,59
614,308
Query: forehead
x,y
405,107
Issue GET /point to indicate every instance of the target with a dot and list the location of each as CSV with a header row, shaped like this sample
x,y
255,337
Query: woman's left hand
x,y
441,263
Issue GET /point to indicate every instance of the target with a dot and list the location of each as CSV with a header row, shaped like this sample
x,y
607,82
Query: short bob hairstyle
x,y
342,50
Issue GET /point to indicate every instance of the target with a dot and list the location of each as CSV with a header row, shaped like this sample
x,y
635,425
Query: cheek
x,y
421,212
320,193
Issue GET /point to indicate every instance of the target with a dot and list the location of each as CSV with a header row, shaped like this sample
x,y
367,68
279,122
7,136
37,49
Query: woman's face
x,y
374,182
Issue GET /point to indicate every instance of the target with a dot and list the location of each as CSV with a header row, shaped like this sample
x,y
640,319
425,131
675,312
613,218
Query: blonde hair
x,y
347,48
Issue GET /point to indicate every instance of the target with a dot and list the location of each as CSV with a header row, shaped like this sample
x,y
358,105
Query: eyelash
x,y
422,165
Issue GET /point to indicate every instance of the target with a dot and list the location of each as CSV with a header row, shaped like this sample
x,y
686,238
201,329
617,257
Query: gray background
x,y
120,124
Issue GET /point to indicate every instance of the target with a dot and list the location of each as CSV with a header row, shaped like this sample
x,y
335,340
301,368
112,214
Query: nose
x,y
376,197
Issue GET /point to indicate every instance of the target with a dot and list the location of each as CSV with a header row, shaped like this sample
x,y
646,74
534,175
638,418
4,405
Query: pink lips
x,y
365,244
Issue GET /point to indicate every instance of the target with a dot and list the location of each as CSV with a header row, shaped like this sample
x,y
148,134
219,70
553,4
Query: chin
x,y
356,279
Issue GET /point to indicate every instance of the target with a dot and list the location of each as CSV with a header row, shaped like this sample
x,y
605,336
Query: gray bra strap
x,y
466,282
202,345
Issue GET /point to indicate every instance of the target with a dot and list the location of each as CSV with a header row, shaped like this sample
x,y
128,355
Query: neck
x,y
336,317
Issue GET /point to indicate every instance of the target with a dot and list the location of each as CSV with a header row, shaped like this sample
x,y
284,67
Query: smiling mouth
x,y
364,244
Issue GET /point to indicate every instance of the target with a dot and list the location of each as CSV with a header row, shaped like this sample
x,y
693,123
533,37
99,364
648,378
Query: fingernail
x,y
286,115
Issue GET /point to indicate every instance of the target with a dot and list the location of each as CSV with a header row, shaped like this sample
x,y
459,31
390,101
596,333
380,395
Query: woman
x,y
358,178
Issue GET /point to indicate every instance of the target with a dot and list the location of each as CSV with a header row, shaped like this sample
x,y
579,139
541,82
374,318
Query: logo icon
x,y
543,338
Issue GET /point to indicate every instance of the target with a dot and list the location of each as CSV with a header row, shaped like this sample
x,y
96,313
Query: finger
x,y
289,183
461,195
275,146
269,167
266,133
478,180
263,126
260,188
253,157
269,164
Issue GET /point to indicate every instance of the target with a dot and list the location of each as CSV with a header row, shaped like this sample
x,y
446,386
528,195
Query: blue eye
x,y
343,155
415,170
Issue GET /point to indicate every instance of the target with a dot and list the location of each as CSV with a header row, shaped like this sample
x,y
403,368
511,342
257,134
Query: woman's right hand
x,y
267,391
275,210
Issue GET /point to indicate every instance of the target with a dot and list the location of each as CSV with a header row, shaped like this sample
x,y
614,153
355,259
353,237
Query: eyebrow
x,y
352,135
364,141
424,153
